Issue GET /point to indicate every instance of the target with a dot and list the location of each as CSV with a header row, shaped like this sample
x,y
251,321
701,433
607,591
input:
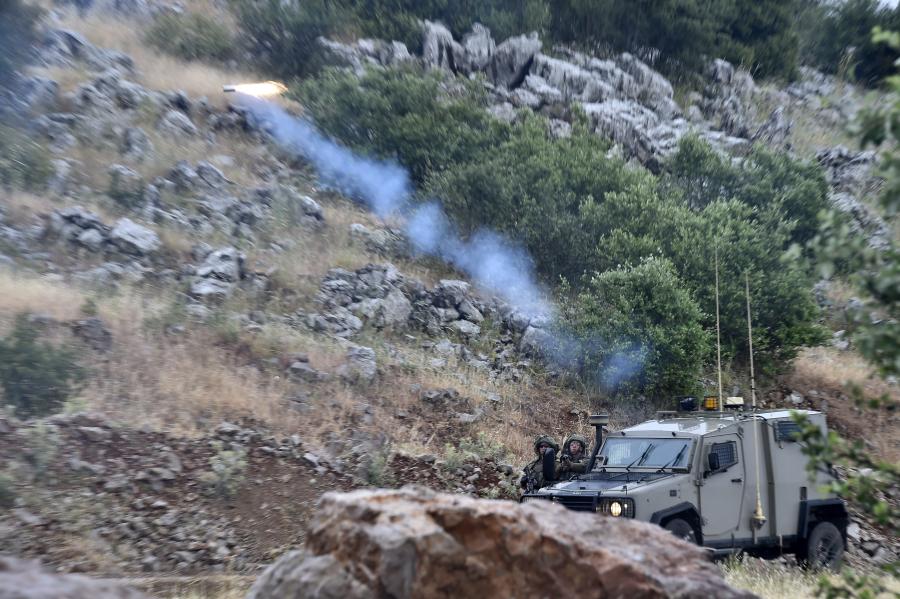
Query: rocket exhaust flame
x,y
265,89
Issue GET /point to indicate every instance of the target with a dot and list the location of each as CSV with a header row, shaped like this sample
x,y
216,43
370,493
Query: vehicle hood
x,y
613,482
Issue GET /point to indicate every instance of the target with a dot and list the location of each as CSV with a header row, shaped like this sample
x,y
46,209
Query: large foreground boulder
x,y
21,579
418,543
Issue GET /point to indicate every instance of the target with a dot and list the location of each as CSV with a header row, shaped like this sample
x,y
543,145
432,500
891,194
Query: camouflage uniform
x,y
534,471
573,464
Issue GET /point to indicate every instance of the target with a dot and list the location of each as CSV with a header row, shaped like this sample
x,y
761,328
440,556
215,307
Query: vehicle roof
x,y
701,423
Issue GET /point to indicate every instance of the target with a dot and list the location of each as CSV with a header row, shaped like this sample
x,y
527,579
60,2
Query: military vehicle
x,y
729,480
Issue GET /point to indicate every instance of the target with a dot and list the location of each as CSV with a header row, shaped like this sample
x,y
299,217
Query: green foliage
x,y
403,114
41,447
400,19
578,211
876,276
23,162
36,377
191,36
641,330
379,473
470,449
682,35
7,491
18,22
283,34
839,35
226,473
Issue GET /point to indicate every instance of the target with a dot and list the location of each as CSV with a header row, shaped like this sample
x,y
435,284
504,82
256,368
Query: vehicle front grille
x,y
577,503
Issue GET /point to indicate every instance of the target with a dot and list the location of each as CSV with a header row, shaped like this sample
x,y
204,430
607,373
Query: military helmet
x,y
545,439
579,438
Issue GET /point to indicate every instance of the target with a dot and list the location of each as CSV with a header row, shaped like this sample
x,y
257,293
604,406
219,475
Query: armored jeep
x,y
730,481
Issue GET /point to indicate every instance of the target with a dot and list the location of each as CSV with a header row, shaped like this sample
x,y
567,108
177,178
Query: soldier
x,y
574,457
533,479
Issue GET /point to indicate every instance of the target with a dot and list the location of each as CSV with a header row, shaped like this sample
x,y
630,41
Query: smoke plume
x,y
492,262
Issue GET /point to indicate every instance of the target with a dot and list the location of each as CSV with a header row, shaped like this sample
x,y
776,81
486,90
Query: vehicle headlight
x,y
617,507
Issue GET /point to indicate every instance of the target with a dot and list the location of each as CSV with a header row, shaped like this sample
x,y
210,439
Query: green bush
x,y
7,491
683,35
36,377
640,330
226,474
23,162
191,36
403,114
18,21
837,37
579,211
283,34
41,448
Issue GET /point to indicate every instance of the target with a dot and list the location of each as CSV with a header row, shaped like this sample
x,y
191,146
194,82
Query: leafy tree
x,y
877,279
640,330
192,36
839,36
36,377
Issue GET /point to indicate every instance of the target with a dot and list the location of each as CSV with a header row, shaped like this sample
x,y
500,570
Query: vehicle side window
x,y
727,453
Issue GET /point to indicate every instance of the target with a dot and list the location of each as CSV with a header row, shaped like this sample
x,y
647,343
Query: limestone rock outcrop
x,y
414,542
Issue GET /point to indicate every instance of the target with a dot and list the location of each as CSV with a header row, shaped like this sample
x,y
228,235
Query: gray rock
x,y
92,239
776,129
20,579
303,371
466,328
468,311
134,239
393,311
512,59
136,145
438,48
95,434
536,342
504,111
126,186
361,366
210,290
479,48
93,331
210,175
177,123
449,293
225,264
183,176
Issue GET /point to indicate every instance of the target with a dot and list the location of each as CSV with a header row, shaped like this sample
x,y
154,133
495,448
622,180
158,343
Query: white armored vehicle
x,y
727,480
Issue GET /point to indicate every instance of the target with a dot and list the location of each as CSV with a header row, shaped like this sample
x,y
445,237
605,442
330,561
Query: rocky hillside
x,y
248,338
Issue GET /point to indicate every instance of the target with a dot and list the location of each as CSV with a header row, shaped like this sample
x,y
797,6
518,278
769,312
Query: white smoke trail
x,y
492,262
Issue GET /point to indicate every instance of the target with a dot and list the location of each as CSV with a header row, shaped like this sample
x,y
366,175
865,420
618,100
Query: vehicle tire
x,y
682,530
824,547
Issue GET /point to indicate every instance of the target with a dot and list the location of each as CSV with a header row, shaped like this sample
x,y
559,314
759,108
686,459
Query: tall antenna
x,y
758,518
750,338
718,331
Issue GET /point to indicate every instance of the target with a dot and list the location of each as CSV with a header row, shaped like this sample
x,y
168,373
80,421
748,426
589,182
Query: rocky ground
x,y
254,340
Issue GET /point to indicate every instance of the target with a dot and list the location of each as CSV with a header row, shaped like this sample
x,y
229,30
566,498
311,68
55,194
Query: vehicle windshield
x,y
645,453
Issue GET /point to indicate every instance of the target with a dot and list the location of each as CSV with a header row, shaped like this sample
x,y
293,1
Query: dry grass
x,y
179,385
769,580
829,371
20,292
21,207
155,69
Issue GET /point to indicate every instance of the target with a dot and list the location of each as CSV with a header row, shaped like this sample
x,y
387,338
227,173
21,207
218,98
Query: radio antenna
x,y
718,330
758,519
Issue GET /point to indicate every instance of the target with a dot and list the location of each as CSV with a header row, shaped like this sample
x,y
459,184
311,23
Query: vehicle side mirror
x,y
549,465
713,460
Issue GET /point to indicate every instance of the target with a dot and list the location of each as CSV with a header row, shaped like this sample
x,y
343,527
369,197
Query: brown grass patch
x,y
155,69
21,292
829,372
22,207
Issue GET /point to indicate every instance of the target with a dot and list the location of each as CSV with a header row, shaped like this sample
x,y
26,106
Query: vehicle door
x,y
722,489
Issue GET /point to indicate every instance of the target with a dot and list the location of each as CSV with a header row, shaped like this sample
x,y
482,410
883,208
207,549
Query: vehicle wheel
x,y
824,547
682,530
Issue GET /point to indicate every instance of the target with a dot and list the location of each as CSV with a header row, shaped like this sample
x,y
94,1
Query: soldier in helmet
x,y
533,479
574,456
